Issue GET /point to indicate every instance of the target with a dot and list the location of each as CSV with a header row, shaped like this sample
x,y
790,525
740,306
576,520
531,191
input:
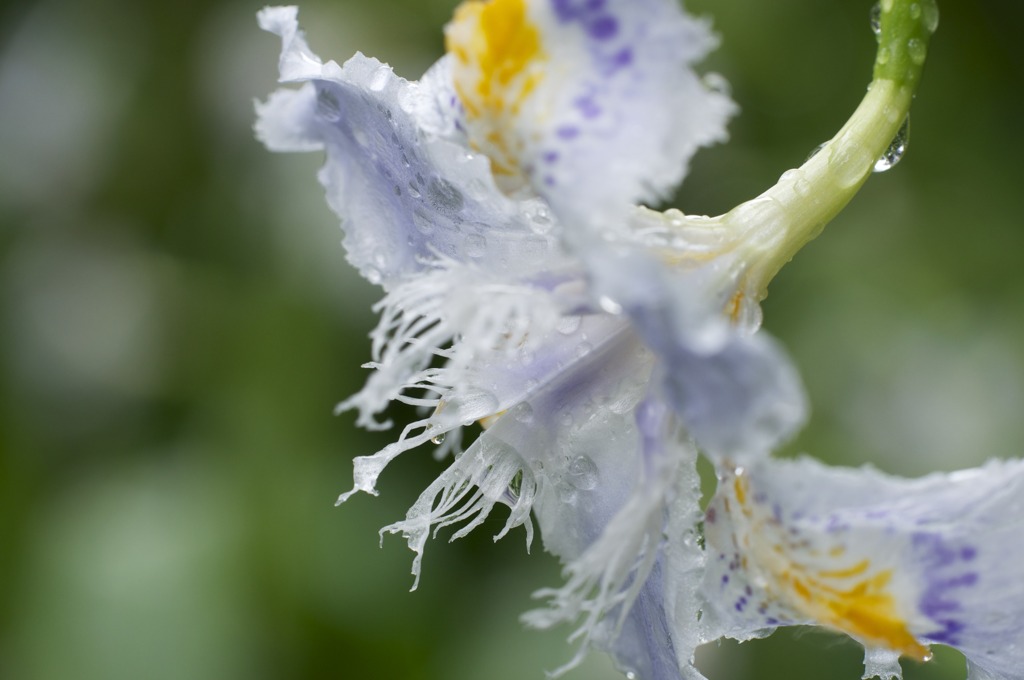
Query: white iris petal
x,y
896,563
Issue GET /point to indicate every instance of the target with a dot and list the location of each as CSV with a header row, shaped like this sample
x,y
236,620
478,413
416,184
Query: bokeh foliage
x,y
178,320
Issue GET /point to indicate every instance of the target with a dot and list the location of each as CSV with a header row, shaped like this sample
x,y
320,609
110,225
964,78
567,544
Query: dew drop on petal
x,y
476,245
540,220
380,79
523,413
896,149
569,324
876,18
445,197
609,305
437,440
583,473
423,223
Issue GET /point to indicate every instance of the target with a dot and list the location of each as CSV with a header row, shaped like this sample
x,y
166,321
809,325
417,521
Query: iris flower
x,y
603,346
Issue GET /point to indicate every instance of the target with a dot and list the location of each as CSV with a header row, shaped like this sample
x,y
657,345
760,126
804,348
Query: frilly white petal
x,y
399,175
282,122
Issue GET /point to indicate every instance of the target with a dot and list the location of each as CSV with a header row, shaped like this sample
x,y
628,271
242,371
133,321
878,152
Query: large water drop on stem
x,y
896,149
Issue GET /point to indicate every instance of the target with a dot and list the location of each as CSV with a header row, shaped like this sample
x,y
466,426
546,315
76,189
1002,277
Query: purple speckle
x,y
587,107
948,634
725,579
549,181
943,564
603,28
710,517
567,10
564,9
550,156
618,61
567,132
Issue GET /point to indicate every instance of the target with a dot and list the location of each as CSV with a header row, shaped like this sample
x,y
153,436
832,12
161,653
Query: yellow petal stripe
x,y
498,63
851,596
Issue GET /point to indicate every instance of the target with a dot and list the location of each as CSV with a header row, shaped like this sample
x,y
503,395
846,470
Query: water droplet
x,y
583,349
928,657
609,305
569,324
583,473
445,197
372,275
915,10
328,106
398,190
896,149
876,19
476,245
918,50
380,79
883,56
540,220
630,675
815,150
930,16
523,412
424,224
413,191
438,439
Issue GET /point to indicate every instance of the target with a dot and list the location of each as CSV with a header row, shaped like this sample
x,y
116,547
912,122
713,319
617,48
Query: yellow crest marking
x,y
852,599
498,64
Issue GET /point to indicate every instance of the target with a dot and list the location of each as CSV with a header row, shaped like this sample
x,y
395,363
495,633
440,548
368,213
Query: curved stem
x,y
773,226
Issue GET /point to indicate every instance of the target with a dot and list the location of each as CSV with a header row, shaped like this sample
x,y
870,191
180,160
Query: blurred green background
x,y
177,322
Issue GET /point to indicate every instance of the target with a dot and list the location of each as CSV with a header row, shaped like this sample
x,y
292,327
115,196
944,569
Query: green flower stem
x,y
770,229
